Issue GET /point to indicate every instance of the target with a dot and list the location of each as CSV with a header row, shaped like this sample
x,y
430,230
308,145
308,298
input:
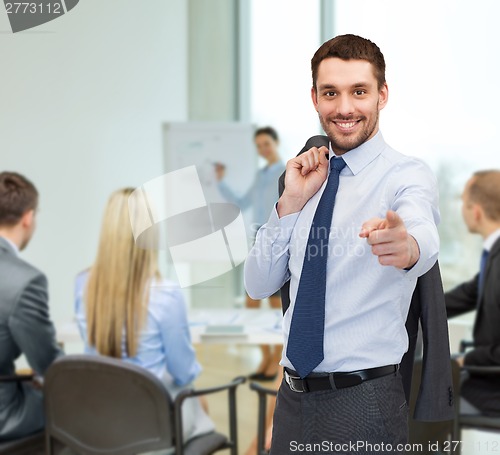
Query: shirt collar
x,y
12,245
491,239
358,158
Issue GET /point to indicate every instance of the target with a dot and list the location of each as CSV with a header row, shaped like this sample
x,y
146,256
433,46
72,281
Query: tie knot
x,y
337,164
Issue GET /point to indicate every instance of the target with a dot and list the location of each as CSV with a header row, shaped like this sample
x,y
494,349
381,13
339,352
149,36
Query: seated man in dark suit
x,y
25,327
481,213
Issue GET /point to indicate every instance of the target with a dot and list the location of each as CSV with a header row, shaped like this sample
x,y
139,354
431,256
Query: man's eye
x,y
359,92
330,93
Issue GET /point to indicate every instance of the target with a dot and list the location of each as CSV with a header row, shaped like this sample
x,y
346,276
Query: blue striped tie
x,y
305,340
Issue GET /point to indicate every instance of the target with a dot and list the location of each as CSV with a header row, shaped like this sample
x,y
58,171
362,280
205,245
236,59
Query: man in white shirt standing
x,y
353,230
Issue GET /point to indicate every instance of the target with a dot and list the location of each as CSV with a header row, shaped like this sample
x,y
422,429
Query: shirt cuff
x,y
428,244
280,229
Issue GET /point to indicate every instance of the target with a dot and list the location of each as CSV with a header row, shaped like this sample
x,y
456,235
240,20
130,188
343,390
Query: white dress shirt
x,y
366,303
491,239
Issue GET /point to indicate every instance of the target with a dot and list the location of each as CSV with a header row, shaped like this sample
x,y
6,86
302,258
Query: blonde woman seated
x,y
124,309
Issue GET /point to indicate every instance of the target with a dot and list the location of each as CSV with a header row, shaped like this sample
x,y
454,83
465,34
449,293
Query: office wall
x,y
212,57
82,102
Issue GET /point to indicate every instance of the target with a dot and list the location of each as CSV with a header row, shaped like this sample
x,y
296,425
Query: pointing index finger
x,y
393,219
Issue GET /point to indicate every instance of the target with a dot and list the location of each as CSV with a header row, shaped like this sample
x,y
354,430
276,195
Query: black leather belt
x,y
331,381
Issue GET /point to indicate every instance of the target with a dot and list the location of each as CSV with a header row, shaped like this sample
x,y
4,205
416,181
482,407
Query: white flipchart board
x,y
203,144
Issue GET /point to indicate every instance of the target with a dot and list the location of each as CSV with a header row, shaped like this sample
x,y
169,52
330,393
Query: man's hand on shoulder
x,y
390,241
304,176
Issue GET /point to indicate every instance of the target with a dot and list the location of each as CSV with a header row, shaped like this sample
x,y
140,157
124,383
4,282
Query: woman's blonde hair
x,y
118,287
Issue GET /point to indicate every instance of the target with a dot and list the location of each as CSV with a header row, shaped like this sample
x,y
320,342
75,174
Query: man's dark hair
x,y
350,47
485,191
269,130
17,196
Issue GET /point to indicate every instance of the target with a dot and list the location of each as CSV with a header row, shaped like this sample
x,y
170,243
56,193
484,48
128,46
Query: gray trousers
x,y
370,418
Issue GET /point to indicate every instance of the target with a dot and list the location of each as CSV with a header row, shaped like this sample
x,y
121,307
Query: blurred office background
x,y
83,100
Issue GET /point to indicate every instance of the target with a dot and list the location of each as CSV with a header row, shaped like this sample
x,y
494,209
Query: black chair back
x,y
29,445
99,405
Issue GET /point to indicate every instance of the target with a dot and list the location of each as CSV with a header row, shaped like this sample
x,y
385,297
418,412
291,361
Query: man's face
x,y
348,100
468,209
266,146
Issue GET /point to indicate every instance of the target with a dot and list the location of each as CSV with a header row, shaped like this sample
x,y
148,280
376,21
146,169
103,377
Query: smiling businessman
x,y
353,230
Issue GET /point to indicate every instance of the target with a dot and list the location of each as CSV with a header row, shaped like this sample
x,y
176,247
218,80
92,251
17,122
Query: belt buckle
x,y
289,380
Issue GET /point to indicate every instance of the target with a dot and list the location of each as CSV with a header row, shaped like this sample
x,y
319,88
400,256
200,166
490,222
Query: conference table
x,y
215,326
241,326
254,326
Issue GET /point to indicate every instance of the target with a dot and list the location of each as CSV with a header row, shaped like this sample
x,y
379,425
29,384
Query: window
x,y
284,36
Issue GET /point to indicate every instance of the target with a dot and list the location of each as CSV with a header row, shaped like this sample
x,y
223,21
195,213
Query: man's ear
x,y
314,97
28,218
477,213
383,96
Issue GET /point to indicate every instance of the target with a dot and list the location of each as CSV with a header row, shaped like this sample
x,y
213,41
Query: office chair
x,y
100,405
28,445
475,421
262,392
